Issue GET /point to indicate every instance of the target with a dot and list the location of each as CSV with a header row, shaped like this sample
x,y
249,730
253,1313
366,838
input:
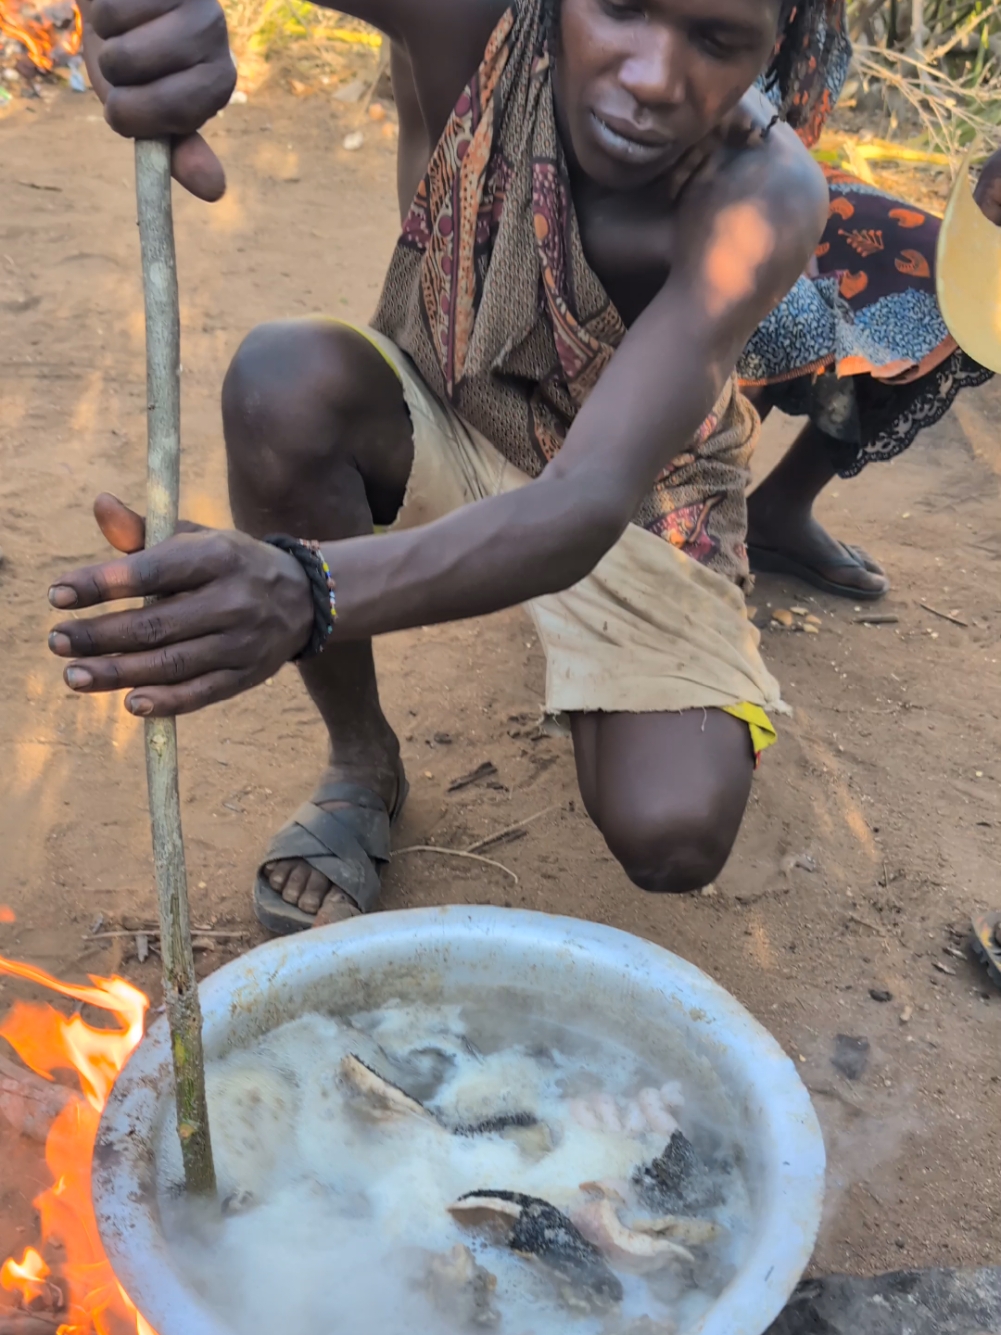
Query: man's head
x,y
639,82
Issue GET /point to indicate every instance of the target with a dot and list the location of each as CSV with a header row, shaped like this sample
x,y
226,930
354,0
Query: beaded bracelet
x,y
322,587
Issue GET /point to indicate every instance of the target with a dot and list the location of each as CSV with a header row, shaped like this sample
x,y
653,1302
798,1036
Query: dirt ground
x,y
872,832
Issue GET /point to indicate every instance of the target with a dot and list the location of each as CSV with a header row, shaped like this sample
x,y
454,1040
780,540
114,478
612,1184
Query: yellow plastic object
x,y
968,275
355,37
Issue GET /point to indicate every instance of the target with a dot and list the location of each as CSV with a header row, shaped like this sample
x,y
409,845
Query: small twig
x,y
485,771
455,853
877,619
509,829
864,922
37,185
829,1092
961,33
155,932
946,616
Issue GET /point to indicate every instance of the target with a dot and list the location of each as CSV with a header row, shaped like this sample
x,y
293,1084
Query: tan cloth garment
x,y
648,630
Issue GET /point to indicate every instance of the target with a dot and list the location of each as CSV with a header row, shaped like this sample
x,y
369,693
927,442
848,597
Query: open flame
x,y
46,1041
46,38
26,1277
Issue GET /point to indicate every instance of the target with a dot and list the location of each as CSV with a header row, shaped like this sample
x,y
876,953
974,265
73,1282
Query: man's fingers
x,y
165,45
111,18
196,167
167,621
174,663
180,564
166,701
988,196
178,105
124,529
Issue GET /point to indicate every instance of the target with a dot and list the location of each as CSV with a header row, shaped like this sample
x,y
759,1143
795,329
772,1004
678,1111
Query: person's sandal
x,y
349,845
767,561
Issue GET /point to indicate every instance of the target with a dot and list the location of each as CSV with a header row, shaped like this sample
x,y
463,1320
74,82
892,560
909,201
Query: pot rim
x,y
732,1039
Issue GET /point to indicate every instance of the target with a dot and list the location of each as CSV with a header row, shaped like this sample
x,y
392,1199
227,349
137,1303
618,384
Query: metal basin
x,y
570,972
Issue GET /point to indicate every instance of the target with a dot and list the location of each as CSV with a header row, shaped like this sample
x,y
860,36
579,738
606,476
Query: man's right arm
x,y
164,68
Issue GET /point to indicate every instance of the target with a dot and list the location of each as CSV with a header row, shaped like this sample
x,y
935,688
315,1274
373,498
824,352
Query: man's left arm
x,y
232,610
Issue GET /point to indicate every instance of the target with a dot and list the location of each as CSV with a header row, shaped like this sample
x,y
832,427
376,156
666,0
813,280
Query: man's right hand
x,y
163,68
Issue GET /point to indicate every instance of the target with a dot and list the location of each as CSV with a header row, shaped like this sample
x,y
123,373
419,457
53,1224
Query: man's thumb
x,y
124,529
196,167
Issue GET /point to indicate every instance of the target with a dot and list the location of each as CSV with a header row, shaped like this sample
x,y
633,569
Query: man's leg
x,y
780,515
319,445
667,791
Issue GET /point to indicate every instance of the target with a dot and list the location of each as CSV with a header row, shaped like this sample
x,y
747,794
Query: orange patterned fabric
x,y
867,310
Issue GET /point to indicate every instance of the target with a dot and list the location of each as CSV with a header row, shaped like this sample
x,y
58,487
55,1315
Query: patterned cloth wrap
x,y
868,313
490,294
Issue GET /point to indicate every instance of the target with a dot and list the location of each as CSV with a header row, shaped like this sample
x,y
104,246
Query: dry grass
x,y
300,44
928,72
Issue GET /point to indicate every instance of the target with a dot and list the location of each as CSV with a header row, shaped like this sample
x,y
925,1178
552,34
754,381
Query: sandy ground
x,y
886,778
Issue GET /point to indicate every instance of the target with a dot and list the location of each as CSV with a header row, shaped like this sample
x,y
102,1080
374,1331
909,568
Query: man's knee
x,y
289,388
673,851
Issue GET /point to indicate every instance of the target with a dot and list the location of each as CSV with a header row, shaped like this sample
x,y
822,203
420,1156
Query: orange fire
x,y
47,1041
38,34
26,1277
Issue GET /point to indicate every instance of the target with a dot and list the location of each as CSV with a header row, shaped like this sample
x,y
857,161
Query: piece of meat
x,y
640,1253
677,1181
462,1290
534,1228
376,1096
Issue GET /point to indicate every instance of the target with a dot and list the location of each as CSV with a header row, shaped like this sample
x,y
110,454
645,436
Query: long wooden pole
x,y
163,398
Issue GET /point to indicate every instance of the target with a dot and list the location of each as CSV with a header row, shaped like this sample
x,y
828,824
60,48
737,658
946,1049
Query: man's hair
x,y
809,63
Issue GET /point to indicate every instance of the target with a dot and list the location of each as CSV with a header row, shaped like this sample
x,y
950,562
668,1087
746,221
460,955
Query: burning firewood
x,y
39,36
27,1323
29,1103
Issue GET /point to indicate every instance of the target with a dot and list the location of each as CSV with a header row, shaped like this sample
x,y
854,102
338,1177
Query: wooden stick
x,y
163,399
27,1323
29,1103
946,616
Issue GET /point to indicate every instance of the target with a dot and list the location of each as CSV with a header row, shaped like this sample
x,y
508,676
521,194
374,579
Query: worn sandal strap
x,y
344,845
336,790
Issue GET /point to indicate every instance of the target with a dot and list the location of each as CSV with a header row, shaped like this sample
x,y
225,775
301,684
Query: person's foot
x,y
300,884
798,545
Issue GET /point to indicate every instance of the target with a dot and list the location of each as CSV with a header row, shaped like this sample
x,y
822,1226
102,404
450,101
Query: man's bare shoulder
x,y
789,181
771,189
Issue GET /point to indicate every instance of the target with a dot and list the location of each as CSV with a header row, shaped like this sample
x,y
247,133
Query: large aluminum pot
x,y
572,972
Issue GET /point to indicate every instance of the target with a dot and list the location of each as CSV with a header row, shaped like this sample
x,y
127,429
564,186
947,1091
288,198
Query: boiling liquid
x,y
339,1214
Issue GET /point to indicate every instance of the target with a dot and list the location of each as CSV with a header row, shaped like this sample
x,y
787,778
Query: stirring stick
x,y
163,397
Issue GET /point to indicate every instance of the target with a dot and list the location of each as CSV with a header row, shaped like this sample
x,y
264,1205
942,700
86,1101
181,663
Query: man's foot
x,y
363,801
803,548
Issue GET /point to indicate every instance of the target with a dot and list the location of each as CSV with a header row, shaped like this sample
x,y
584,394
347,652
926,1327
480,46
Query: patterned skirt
x,y
859,345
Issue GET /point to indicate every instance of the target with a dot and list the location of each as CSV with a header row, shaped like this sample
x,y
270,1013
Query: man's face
x,y
638,82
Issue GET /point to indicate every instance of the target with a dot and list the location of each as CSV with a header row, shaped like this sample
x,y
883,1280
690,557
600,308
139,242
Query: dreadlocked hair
x,y
809,63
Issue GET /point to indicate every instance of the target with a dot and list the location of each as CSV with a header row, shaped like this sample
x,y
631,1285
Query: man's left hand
x,y
229,612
